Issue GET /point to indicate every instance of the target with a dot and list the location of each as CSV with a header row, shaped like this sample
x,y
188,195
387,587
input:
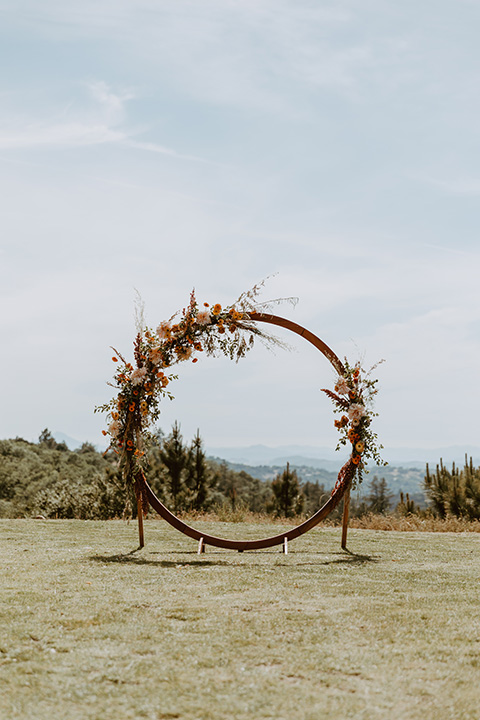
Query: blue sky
x,y
165,145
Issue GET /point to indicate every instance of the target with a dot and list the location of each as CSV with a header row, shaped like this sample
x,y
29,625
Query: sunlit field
x,y
94,628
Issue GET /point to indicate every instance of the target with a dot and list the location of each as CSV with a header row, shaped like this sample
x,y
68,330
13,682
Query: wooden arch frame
x,y
341,491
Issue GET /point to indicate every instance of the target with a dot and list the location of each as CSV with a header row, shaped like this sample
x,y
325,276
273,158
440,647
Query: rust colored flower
x,y
352,436
217,309
352,394
131,407
195,360
104,432
115,359
355,459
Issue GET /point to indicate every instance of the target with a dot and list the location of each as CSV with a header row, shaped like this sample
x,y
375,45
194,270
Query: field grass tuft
x,y
94,628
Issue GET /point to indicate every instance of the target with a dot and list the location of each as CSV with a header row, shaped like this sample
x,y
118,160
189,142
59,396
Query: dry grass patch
x,y
415,523
94,630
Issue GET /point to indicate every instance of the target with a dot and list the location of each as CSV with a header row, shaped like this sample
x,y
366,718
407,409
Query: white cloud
x,y
59,135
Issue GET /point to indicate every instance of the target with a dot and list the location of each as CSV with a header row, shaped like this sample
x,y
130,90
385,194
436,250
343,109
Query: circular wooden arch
x,y
341,489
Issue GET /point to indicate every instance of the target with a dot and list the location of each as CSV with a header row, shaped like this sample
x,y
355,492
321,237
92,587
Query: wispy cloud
x,y
160,149
59,135
103,122
467,186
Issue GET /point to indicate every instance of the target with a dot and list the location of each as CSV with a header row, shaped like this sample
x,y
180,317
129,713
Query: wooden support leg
x,y
201,547
141,539
346,507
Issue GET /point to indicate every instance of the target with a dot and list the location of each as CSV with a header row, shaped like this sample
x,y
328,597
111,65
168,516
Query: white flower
x,y
342,386
163,330
356,411
203,317
138,376
114,428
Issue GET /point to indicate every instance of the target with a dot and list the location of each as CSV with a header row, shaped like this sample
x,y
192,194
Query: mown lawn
x,y
93,628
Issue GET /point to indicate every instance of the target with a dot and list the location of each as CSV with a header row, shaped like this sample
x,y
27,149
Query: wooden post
x,y
141,540
346,507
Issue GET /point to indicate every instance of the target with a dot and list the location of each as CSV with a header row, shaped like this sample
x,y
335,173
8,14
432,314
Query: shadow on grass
x,y
130,560
346,558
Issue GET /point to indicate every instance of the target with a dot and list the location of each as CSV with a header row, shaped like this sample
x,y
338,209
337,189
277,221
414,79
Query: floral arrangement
x,y
209,329
353,398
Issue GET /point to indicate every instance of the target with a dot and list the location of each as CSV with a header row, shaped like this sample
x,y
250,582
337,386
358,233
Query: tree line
x,y
48,479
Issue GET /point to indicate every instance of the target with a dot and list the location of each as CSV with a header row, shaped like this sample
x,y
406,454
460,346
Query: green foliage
x,y
314,495
455,492
237,490
287,498
49,479
379,497
197,475
173,455
406,506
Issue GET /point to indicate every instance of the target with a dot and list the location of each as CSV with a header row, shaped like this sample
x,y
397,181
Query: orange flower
x,y
195,360
131,407
360,447
104,432
355,459
352,394
115,359
217,309
352,436
206,305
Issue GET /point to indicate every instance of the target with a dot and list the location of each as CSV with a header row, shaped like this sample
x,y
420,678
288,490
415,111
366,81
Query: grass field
x,y
93,628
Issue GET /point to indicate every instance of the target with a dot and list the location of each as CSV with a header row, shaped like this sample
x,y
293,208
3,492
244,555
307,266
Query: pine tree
x,y
197,474
173,455
288,500
379,496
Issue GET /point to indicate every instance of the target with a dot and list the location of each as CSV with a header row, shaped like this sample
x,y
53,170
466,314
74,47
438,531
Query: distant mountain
x,y
399,479
70,442
328,459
